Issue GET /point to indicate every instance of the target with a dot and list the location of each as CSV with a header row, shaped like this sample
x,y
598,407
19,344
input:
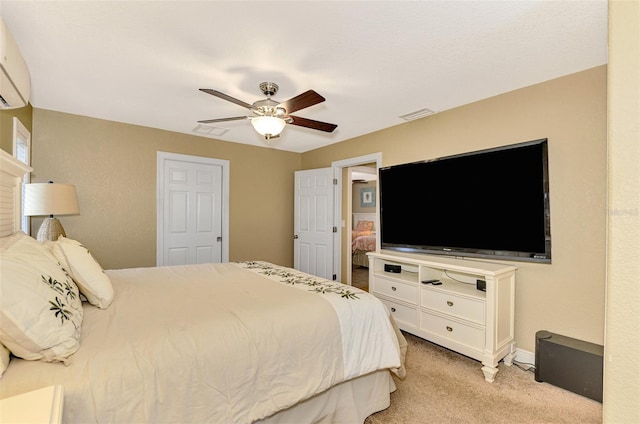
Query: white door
x,y
313,222
190,210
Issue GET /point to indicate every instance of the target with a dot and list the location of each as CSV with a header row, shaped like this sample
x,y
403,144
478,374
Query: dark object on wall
x,y
491,203
569,363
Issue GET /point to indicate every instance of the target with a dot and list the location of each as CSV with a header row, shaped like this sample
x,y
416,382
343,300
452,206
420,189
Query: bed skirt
x,y
360,258
349,402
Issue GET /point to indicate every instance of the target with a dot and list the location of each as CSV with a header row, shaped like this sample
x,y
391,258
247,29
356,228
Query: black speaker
x,y
392,268
569,363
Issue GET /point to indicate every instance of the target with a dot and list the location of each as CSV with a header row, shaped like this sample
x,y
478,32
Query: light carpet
x,y
442,386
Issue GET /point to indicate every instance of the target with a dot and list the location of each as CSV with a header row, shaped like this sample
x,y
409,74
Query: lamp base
x,y
50,229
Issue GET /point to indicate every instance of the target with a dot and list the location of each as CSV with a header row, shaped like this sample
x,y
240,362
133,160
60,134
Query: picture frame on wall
x,y
367,197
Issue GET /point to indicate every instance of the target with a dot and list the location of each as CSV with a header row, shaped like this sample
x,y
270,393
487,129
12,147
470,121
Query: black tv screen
x,y
490,203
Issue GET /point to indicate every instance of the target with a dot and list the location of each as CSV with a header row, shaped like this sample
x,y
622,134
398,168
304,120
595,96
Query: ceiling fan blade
x,y
310,123
235,118
306,99
226,97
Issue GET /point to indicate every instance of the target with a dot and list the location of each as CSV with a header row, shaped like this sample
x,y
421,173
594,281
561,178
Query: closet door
x,y
192,207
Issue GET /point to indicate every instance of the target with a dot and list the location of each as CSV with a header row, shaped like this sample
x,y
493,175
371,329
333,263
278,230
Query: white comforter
x,y
214,343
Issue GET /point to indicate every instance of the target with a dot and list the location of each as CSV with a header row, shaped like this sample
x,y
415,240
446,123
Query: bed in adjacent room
x,y
227,343
363,237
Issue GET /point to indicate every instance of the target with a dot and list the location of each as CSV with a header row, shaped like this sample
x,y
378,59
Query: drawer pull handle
x,y
449,329
393,309
450,303
393,288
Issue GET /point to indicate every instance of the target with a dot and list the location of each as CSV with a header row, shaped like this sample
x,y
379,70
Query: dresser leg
x,y
489,373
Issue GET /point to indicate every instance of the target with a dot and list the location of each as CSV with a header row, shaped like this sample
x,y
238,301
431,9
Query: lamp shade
x,y
268,125
50,199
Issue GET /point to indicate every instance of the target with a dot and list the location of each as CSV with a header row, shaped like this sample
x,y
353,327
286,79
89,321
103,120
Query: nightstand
x,y
38,406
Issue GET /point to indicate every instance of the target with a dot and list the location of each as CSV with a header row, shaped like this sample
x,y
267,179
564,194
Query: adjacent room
x,y
319,212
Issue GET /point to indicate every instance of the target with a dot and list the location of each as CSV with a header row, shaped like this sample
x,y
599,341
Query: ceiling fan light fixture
x,y
270,126
269,117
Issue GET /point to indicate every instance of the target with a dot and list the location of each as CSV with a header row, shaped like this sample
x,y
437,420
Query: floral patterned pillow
x,y
40,308
364,226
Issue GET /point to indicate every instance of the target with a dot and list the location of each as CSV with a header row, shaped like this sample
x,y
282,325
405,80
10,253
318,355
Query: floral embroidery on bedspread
x,y
293,277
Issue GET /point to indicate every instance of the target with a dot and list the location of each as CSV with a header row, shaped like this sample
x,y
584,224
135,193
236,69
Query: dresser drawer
x,y
402,312
468,335
451,304
402,291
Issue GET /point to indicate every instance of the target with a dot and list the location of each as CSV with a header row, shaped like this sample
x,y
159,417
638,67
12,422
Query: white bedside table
x,y
38,406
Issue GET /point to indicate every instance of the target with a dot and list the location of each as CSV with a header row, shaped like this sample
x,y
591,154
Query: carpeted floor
x,y
445,387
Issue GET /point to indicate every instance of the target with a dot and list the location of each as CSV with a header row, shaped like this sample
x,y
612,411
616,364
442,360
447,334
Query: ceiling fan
x,y
269,117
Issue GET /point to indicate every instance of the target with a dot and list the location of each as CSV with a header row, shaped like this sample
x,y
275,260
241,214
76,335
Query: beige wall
x,y
24,114
622,341
113,166
566,296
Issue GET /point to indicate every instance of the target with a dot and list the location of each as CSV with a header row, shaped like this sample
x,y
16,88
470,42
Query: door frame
x,y
160,162
337,204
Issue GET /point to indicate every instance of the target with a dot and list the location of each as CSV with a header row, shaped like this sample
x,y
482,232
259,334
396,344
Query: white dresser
x,y
455,314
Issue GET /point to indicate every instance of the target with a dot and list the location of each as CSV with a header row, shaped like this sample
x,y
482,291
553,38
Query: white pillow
x,y
85,270
40,308
5,357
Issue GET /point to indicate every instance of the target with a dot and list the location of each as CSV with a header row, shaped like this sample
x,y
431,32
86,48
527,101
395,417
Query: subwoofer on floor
x,y
569,363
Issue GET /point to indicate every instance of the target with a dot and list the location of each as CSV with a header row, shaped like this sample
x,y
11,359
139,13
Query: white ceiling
x,y
363,173
142,62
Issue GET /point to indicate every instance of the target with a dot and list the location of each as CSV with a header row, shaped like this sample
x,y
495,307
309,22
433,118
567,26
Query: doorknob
x,y
295,236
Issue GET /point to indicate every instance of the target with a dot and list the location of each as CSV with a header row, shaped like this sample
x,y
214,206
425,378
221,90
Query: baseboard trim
x,y
525,357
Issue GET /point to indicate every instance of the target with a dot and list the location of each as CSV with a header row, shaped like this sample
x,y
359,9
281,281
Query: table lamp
x,y
50,199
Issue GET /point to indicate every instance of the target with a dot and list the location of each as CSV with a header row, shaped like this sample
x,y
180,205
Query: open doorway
x,y
362,231
343,204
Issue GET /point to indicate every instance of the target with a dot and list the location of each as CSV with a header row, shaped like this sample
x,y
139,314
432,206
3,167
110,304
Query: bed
x,y
226,343
363,237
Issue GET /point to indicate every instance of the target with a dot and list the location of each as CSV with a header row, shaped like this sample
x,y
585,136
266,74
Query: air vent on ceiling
x,y
417,114
209,130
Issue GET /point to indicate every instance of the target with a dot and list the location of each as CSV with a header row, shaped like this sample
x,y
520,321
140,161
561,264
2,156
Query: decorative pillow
x,y
5,357
40,308
85,270
364,226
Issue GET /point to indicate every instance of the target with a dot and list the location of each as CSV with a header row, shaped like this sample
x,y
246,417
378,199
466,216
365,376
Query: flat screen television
x,y
491,203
